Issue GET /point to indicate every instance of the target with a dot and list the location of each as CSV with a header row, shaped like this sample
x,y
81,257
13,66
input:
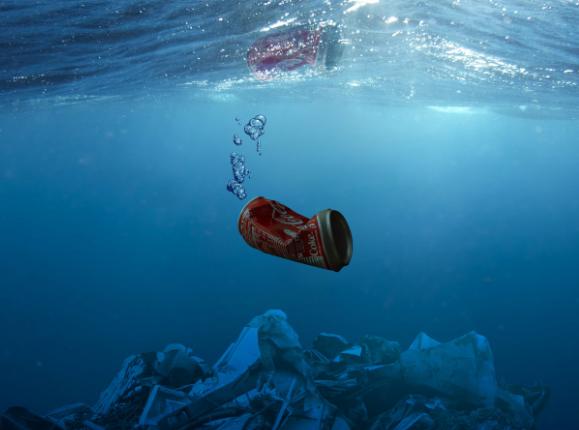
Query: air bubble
x,y
237,189
256,123
261,118
240,172
255,129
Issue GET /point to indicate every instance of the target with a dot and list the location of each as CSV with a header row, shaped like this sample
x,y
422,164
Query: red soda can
x,y
288,50
323,241
283,52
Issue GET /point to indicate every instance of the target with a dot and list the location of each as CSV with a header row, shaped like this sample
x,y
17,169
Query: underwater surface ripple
x,y
517,57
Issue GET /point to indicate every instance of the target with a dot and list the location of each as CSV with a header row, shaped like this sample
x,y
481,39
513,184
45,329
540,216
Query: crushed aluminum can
x,y
323,241
320,47
283,52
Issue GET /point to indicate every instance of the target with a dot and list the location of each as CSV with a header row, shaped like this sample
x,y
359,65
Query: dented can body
x,y
323,240
291,49
283,52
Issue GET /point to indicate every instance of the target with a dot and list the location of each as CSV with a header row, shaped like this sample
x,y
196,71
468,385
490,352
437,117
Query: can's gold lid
x,y
336,239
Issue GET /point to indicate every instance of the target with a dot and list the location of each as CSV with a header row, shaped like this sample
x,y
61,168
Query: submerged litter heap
x,y
266,380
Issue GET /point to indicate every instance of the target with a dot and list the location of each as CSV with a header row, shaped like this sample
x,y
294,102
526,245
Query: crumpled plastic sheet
x,y
462,368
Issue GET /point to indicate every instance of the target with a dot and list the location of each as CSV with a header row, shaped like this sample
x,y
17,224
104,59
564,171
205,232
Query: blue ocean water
x,y
447,136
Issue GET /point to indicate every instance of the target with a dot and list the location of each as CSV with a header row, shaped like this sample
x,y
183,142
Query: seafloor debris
x,y
266,380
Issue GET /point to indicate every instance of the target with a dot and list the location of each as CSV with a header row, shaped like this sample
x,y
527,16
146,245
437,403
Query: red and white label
x,y
276,229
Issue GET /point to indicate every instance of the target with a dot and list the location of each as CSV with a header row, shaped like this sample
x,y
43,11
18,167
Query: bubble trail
x,y
255,129
240,172
237,189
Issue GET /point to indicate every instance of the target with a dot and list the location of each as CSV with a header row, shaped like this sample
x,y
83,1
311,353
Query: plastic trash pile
x,y
267,380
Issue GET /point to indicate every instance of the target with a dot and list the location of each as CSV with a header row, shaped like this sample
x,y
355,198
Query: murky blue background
x,y
457,173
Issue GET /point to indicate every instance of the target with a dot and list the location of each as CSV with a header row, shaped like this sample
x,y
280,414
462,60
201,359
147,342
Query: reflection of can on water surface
x,y
323,241
294,48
